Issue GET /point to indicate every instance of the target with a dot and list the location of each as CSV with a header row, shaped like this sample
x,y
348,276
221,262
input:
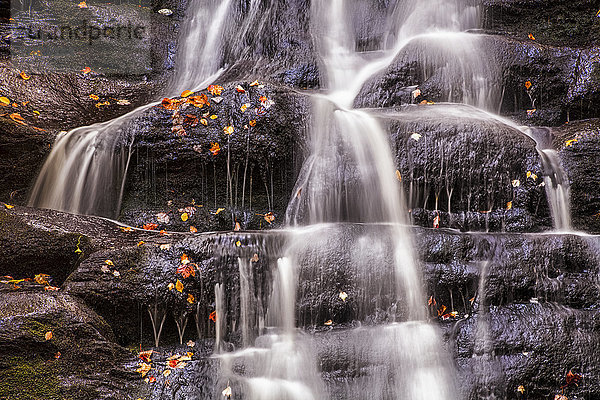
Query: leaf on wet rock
x,y
143,369
165,11
415,136
190,299
179,286
48,335
86,70
42,279
572,379
416,93
530,36
193,229
102,104
4,101
184,217
509,205
171,286
150,226
328,323
244,107
521,389
240,89
213,316
146,355
215,148
560,397
8,206
269,217
24,76
82,4
516,183
343,296
228,130
186,271
252,122
215,90
227,392
254,258
527,85
217,100
123,102
256,83
398,176
186,93
17,118
218,211
94,97
191,119
570,143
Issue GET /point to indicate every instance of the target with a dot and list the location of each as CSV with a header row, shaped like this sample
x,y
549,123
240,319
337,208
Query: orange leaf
x,y
215,148
213,316
48,335
199,101
215,90
527,85
269,217
17,118
530,36
186,271
193,229
252,122
228,130
86,70
185,259
186,93
150,227
441,310
82,5
179,286
8,206
240,89
24,76
42,279
190,299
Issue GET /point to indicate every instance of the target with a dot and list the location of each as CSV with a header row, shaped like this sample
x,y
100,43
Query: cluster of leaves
x,y
440,312
159,372
15,109
39,279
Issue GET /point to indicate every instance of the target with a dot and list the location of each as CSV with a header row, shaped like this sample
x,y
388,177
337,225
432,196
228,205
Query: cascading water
x,y
86,170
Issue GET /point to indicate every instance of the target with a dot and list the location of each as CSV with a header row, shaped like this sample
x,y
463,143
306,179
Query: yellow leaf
x,y
213,116
509,205
184,217
244,107
238,243
343,296
42,279
24,76
569,143
94,97
204,122
109,262
219,210
521,389
82,5
143,369
329,322
5,101
8,206
141,242
186,93
255,83
398,176
171,286
252,122
269,217
530,36
48,335
179,286
190,299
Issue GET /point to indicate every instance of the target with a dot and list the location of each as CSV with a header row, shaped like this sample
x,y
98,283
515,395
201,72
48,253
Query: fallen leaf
x,y
17,118
256,83
415,136
572,378
184,217
51,289
254,258
171,286
150,226
86,70
343,296
516,183
102,104
560,397
186,270
238,243
165,11
165,246
42,279
105,269
141,242
143,369
416,93
441,310
228,130
94,97
398,176
269,217
531,112
214,148
215,90
186,93
57,355
227,392
190,343
527,85
218,211
109,262
116,274
252,122
569,143
530,36
179,286
82,5
48,335
5,101
240,89
126,229
190,299
146,355
204,122
328,323
431,301
152,379
509,205
244,107
191,120
213,316
521,389
8,206
166,372
436,222
193,229
24,76
199,101
123,102
237,226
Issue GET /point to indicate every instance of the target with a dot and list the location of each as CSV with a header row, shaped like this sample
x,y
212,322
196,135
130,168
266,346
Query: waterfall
x,y
86,170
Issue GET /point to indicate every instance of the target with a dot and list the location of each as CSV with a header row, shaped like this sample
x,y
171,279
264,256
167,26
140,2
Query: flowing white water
x,y
86,170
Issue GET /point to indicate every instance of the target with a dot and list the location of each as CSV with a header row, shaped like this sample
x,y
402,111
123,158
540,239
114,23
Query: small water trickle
x,y
220,317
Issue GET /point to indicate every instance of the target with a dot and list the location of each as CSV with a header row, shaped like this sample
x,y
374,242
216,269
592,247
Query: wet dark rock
x,y
253,173
79,361
577,145
458,153
565,80
571,23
